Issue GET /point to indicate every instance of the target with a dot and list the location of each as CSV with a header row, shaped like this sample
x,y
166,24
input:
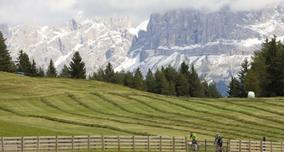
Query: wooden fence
x,y
93,143
255,146
241,146
127,143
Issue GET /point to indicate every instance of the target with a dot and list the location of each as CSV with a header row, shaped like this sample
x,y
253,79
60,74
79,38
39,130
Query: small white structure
x,y
251,94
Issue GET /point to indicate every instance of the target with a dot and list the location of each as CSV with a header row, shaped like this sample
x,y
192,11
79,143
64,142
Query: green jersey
x,y
193,138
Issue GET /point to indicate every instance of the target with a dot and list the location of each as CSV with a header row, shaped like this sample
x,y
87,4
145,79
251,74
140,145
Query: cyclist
x,y
194,142
219,143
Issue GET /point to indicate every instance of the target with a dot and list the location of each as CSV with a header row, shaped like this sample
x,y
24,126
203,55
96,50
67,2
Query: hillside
x,y
42,106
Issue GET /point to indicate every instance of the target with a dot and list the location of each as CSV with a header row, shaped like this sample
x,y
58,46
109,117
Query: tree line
x,y
166,81
26,67
264,75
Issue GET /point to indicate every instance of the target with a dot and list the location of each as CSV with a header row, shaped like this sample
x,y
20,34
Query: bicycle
x,y
219,148
194,147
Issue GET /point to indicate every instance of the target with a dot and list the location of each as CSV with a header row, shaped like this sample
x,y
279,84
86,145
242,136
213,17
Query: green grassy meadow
x,y
43,106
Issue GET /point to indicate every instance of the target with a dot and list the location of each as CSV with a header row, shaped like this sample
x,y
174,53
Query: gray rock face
x,y
215,42
188,27
98,40
73,24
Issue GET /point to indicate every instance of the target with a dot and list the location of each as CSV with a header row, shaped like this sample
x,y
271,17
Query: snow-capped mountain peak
x,y
141,27
99,40
215,42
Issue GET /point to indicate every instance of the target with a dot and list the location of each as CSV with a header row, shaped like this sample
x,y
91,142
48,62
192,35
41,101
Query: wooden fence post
x,y
2,144
160,143
261,147
102,143
134,143
249,146
72,143
38,143
228,144
119,147
239,146
271,146
55,143
173,144
282,146
205,145
148,146
88,144
22,144
186,144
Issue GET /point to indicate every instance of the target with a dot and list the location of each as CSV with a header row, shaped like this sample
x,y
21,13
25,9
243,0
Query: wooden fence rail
x,y
255,146
127,143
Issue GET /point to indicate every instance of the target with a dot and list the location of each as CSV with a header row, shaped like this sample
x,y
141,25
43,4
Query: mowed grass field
x,y
43,106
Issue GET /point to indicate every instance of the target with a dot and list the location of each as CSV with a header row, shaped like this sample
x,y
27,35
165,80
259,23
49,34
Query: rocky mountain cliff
x,y
98,40
215,42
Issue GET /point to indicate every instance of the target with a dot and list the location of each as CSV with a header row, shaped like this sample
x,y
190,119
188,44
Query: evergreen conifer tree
x,y
41,72
266,75
120,77
241,76
6,63
275,69
109,73
234,88
171,76
182,85
51,71
163,86
129,80
77,67
196,89
34,70
172,88
184,69
24,64
99,75
65,72
211,90
170,73
150,82
138,80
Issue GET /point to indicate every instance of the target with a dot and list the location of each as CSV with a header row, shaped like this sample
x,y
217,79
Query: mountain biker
x,y
194,142
219,143
193,138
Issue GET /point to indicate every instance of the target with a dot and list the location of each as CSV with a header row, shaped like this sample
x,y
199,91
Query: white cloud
x,y
253,4
58,11
141,9
35,11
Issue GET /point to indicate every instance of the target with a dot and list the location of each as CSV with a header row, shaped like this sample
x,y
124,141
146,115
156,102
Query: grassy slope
x,y
41,106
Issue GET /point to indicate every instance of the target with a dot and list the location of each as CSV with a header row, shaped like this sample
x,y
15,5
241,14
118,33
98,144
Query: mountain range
x,y
215,42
